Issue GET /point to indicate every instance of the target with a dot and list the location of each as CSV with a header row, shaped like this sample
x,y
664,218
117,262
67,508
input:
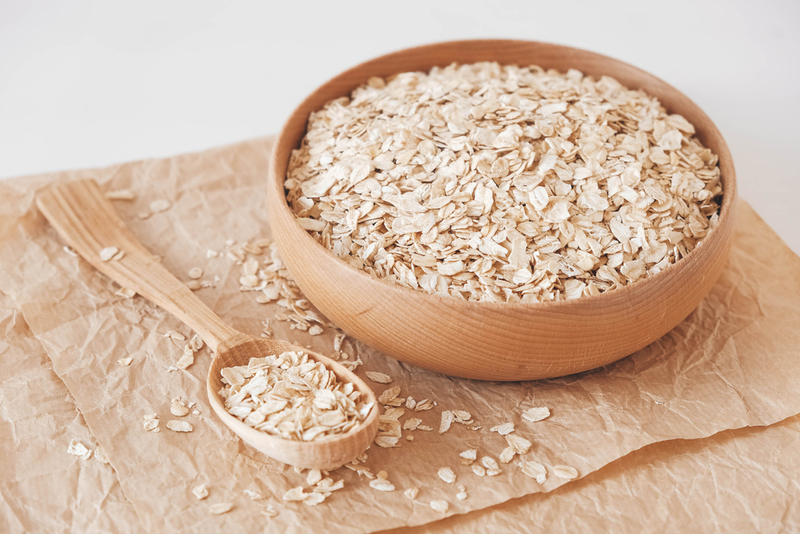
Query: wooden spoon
x,y
88,223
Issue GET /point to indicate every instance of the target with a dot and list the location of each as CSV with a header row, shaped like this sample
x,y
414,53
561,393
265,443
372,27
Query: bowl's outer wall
x,y
500,341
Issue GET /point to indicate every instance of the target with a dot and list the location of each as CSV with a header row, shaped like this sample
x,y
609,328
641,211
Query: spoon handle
x,y
88,223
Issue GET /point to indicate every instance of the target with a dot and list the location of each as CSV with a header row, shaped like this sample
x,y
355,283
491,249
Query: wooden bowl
x,y
493,341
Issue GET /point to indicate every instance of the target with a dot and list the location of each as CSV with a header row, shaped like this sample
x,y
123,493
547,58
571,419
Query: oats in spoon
x,y
292,396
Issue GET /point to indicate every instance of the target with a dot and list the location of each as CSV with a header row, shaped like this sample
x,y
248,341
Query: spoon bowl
x,y
328,452
89,224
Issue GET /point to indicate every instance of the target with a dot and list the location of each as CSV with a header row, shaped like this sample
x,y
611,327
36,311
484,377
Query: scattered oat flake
x,y
314,499
100,455
447,474
504,429
200,492
565,471
389,395
178,408
424,404
124,362
386,442
314,476
195,273
109,252
70,251
337,342
125,292
470,454
186,360
478,470
534,470
447,420
462,416
194,285
254,495
79,449
507,455
315,330
536,414
520,444
461,496
269,511
150,422
440,506
381,484
411,423
295,494
179,426
379,378
220,508
489,462
411,493
175,336
158,205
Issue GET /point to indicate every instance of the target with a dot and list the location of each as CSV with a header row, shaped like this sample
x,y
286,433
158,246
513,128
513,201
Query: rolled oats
x,y
565,471
411,493
179,426
77,448
534,470
440,506
220,508
178,408
200,492
447,474
378,378
536,414
100,455
108,253
294,397
158,205
381,484
503,184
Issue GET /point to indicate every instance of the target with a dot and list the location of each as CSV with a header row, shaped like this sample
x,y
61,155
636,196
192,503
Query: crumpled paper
x,y
731,364
742,480
42,488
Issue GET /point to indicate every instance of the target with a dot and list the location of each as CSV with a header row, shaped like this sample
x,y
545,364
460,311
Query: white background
x,y
90,83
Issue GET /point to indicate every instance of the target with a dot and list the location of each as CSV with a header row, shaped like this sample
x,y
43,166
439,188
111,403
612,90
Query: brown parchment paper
x,y
729,365
741,480
42,488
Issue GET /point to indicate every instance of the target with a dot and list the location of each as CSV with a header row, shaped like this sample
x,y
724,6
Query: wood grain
x,y
500,341
88,222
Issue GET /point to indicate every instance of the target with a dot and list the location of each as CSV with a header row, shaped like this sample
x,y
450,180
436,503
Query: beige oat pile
x,y
503,184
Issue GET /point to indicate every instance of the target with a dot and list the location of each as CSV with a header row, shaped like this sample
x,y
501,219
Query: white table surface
x,y
92,83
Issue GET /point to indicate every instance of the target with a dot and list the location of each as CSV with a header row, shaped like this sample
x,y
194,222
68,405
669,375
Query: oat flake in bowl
x,y
503,184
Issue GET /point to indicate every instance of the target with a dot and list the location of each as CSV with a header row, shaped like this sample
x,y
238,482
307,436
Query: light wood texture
x,y
499,341
88,223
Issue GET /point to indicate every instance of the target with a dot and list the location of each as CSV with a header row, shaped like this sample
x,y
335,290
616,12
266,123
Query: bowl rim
x,y
276,179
